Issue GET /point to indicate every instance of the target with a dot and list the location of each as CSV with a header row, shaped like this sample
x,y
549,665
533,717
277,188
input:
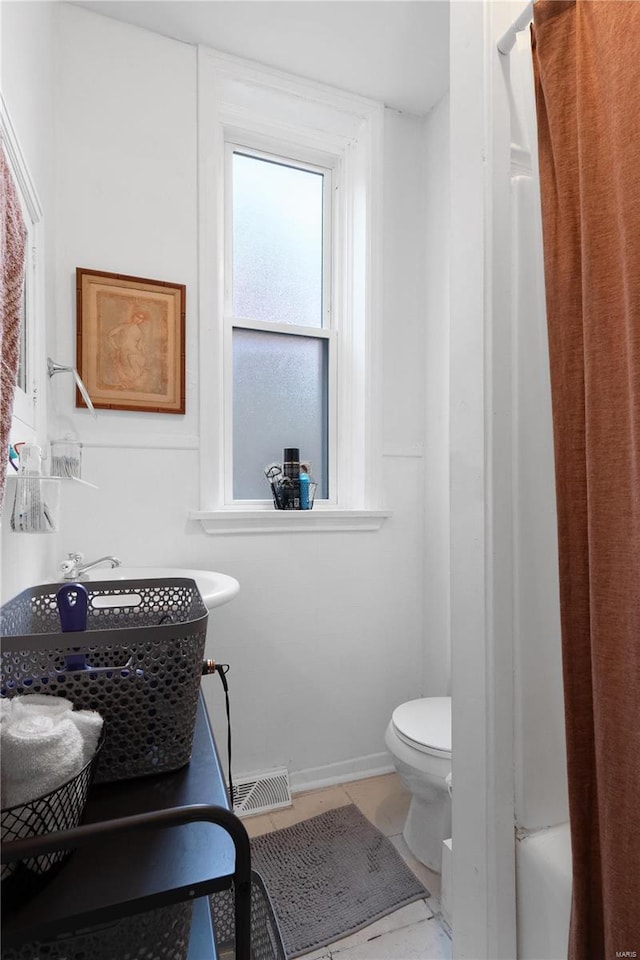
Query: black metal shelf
x,y
144,844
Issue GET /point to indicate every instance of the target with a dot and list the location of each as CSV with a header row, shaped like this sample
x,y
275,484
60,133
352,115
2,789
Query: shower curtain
x,y
587,72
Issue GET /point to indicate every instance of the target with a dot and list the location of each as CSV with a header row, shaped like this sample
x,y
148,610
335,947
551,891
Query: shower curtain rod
x,y
507,40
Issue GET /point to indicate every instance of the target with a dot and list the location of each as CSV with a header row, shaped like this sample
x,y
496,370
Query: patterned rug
x,y
331,875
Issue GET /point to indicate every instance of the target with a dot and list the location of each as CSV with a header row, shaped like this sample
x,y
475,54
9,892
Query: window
x,y
290,190
279,286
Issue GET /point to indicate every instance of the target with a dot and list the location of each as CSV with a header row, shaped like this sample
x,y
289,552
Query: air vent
x,y
262,792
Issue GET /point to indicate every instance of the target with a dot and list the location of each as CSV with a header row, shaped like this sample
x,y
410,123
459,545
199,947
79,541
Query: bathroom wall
x,y
326,635
483,878
508,734
437,660
26,81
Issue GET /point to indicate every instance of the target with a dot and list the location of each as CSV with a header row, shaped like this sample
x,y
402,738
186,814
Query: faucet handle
x,y
68,567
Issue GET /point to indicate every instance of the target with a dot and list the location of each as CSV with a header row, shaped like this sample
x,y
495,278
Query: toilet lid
x,y
425,724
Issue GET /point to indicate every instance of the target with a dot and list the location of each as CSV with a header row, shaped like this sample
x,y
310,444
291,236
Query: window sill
x,y
321,519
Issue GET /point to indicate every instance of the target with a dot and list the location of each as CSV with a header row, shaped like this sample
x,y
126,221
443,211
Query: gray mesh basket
x,y
266,940
60,809
161,934
142,653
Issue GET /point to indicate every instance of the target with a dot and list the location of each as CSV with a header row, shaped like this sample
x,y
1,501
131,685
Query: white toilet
x,y
419,739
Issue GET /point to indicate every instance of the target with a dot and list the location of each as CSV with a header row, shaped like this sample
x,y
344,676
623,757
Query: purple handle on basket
x,y
72,600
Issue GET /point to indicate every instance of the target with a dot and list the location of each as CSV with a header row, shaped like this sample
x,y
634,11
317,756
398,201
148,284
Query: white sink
x,y
216,588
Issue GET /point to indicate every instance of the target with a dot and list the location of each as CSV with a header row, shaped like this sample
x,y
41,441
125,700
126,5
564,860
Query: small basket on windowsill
x,y
290,493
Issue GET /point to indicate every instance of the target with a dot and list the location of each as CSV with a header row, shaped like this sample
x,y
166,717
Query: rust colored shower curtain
x,y
587,72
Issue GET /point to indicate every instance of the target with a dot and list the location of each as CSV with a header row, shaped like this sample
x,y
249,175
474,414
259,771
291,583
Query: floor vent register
x,y
262,792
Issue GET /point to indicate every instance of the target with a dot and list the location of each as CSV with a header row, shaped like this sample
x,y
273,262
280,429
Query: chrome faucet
x,y
73,567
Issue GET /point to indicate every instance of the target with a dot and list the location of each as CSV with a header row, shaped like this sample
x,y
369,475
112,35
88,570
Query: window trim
x,y
237,99
265,519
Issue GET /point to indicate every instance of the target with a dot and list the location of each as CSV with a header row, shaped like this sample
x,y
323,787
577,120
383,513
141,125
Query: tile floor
x,y
411,933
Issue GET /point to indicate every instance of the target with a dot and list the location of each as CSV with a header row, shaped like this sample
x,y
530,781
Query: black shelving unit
x,y
144,844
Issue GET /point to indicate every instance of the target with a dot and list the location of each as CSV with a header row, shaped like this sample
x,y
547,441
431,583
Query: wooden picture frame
x,y
130,342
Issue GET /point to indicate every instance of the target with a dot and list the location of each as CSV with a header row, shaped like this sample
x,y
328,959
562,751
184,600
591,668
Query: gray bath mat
x,y
330,876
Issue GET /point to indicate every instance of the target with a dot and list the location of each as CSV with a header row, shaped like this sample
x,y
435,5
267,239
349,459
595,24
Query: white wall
x,y
27,85
508,735
326,635
483,872
26,79
437,663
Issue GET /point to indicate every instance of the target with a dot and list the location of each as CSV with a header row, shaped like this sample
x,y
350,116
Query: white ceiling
x,y
395,51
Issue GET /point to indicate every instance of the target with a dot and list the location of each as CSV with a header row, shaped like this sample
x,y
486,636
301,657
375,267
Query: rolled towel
x,y
39,754
44,703
6,709
89,723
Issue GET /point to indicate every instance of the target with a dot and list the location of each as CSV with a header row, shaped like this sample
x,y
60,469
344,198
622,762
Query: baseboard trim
x,y
314,778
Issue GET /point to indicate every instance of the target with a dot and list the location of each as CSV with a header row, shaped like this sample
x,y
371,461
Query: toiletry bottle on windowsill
x,y
291,483
305,502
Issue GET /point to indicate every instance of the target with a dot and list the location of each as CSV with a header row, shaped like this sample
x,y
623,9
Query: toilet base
x,y
428,823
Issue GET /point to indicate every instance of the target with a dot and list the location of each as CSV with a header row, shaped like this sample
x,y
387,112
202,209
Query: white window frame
x,y
243,103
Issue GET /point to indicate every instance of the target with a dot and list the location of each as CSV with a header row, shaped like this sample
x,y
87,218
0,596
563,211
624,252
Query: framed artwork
x,y
130,346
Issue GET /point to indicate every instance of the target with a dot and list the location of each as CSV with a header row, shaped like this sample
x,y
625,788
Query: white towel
x,y
44,744
44,703
40,752
89,723
6,709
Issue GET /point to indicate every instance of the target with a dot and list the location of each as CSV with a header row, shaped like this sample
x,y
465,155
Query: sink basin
x,y
216,588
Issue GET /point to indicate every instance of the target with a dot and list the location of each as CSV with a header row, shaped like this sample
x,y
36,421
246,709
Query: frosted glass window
x,y
277,242
279,400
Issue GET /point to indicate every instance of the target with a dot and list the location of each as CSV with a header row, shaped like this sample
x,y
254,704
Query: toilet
x,y
419,739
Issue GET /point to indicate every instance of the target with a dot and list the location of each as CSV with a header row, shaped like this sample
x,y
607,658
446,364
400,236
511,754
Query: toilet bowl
x,y
419,740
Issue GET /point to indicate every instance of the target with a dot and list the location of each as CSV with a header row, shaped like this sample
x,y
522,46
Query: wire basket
x,y
266,939
138,664
287,494
160,934
60,809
